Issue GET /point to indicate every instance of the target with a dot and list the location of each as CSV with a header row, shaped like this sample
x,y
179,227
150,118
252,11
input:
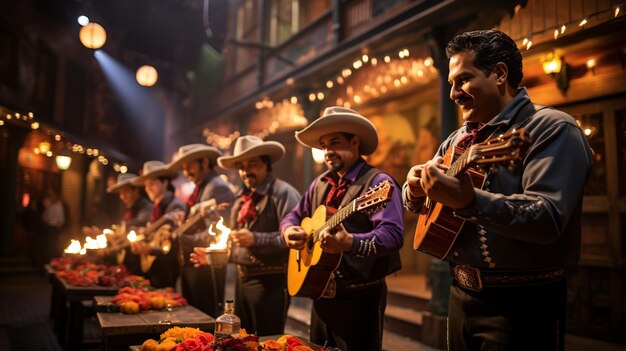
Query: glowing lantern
x,y
93,36
147,76
63,162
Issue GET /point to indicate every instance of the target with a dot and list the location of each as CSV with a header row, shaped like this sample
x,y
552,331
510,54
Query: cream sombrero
x,y
248,146
193,152
340,120
154,169
122,180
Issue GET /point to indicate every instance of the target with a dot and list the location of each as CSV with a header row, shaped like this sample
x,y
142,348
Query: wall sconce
x,y
554,66
44,147
63,162
318,155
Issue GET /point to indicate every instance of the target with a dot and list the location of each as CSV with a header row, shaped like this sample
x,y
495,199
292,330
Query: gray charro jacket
x,y
528,219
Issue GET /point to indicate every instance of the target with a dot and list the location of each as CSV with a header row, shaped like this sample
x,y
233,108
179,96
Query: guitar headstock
x,y
506,149
375,198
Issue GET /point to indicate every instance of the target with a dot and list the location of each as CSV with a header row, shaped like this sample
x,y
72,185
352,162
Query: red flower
x,y
205,338
191,345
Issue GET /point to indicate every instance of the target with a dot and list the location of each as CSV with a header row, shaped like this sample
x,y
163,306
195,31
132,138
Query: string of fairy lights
x,y
46,149
526,41
382,74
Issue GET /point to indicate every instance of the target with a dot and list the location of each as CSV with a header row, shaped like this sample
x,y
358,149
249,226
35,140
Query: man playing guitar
x,y
369,242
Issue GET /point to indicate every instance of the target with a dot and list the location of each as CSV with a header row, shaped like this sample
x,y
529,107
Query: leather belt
x,y
474,279
343,286
245,272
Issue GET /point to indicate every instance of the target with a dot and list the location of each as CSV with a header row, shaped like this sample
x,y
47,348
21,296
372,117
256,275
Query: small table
x,y
121,330
69,320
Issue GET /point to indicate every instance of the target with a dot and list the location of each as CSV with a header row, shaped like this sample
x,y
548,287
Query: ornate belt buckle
x,y
468,277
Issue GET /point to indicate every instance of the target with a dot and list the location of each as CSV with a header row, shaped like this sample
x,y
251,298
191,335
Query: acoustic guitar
x,y
437,227
309,270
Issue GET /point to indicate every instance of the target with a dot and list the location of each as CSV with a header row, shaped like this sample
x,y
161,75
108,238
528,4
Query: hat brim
x,y
118,186
211,153
274,150
164,172
340,123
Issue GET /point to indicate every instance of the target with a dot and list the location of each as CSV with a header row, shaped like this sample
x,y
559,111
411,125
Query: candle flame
x,y
73,248
108,231
101,240
132,236
223,238
90,243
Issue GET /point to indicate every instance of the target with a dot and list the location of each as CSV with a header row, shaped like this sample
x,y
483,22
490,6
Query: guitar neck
x,y
336,219
460,165
154,226
190,222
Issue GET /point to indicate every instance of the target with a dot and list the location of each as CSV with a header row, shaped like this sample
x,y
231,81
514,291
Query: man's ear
x,y
355,141
206,164
501,72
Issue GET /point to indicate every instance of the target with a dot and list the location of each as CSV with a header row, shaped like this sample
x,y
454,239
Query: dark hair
x,y
490,47
268,161
170,186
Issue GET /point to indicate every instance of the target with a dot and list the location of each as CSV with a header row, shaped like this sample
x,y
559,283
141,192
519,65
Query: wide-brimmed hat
x,y
248,146
193,152
122,180
340,120
154,169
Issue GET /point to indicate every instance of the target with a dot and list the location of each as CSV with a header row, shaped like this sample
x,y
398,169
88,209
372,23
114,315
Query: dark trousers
x,y
262,302
508,318
203,287
164,271
350,321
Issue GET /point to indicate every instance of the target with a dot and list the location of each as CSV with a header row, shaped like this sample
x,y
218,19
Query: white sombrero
x,y
340,120
193,152
122,180
248,146
154,169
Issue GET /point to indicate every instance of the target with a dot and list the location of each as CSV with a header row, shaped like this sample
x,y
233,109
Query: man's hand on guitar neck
x,y
337,240
449,191
294,237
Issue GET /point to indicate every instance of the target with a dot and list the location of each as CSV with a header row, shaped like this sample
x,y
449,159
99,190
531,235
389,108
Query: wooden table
x,y
121,330
69,318
261,338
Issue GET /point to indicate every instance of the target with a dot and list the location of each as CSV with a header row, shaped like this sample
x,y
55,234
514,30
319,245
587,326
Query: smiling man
x,y
258,250
522,228
369,242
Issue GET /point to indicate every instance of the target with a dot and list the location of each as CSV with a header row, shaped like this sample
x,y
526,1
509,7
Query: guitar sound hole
x,y
309,244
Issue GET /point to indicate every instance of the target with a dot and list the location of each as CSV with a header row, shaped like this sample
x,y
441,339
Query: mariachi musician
x,y
369,242
159,255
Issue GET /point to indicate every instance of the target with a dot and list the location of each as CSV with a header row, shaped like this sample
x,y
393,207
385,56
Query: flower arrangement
x,y
193,339
146,299
77,271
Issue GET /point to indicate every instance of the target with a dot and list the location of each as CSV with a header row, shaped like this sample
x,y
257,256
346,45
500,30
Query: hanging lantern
x,y
63,162
93,36
147,76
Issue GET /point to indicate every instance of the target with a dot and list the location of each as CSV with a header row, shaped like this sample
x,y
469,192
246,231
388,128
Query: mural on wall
x,y
406,138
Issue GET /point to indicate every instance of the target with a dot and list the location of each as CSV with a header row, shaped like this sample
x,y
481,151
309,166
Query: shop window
x,y
288,17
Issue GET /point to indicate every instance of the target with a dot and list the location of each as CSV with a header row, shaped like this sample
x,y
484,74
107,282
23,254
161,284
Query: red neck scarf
x,y
338,189
156,212
193,197
477,134
247,211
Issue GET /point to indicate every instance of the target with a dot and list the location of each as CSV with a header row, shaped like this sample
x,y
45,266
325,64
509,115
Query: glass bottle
x,y
228,324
